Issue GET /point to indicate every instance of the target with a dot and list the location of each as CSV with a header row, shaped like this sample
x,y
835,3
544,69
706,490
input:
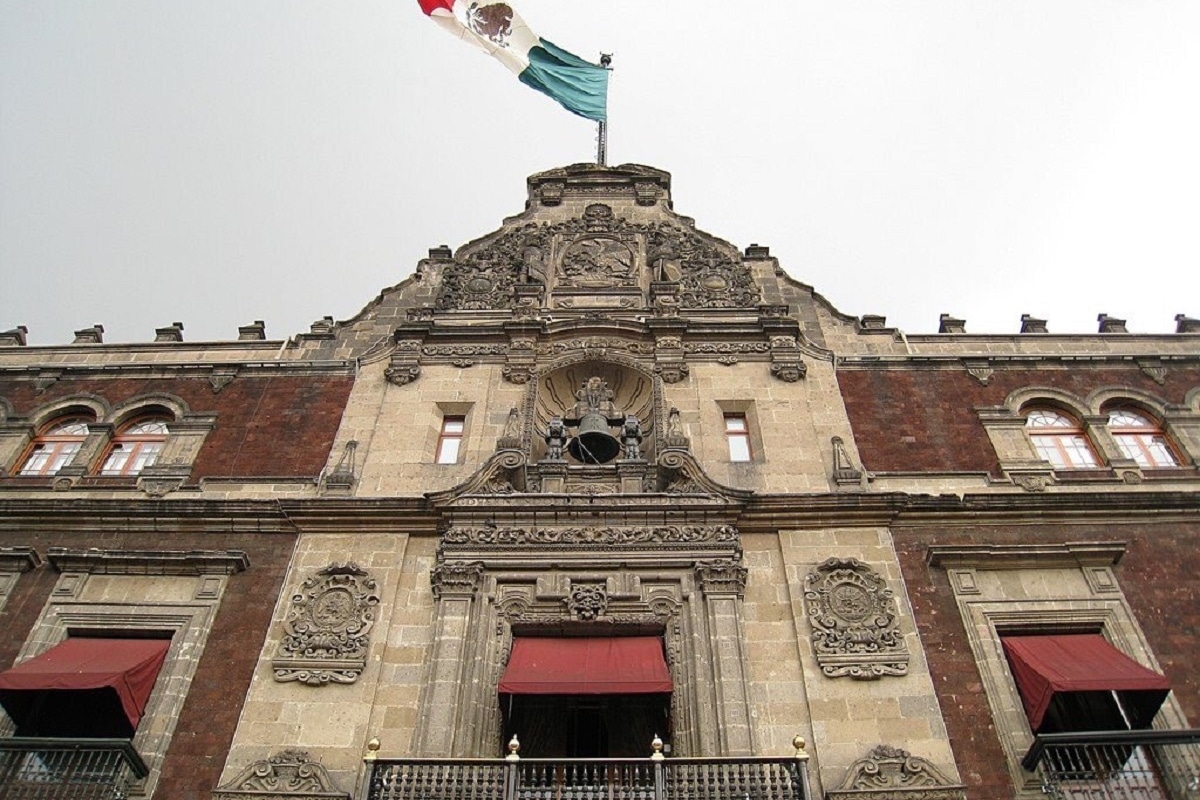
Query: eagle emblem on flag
x,y
493,21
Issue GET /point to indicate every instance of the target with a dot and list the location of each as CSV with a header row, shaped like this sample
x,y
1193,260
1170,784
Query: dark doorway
x,y
587,726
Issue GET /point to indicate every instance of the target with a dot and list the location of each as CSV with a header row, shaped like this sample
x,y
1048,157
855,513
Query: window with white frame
x,y
1141,439
1060,439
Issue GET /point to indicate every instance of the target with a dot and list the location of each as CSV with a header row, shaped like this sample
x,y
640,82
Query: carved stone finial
x,y
853,617
514,748
1186,324
1032,324
656,747
343,475
171,333
844,472
1111,324
949,324
373,746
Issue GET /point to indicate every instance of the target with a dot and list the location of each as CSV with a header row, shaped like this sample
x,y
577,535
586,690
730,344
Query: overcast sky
x,y
221,161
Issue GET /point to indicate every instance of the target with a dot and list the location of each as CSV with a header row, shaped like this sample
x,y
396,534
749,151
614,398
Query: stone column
x,y
723,584
456,587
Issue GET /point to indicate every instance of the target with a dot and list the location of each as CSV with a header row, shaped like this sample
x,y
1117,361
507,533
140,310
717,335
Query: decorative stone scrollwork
x,y
853,617
889,773
518,374
290,774
404,365
979,369
587,601
590,535
458,579
221,377
328,628
672,372
723,576
1033,483
159,487
788,371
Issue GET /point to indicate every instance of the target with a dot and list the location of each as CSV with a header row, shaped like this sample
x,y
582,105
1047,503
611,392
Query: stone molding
x,y
853,618
287,775
328,628
19,559
723,576
456,579
148,562
889,773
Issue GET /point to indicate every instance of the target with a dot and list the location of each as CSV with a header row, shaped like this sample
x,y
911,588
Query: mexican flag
x,y
578,86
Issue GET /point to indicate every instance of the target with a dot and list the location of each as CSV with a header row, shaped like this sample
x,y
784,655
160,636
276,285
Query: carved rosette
x,y
457,579
290,774
889,773
853,616
328,628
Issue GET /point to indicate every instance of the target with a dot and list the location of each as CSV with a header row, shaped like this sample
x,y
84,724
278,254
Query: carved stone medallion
x,y
328,628
853,616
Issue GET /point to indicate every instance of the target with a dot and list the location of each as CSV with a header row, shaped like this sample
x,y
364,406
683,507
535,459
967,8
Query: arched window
x,y
135,447
1059,439
55,446
1141,439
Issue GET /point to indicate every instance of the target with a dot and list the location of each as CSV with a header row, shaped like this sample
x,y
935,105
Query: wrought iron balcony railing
x,y
68,769
1118,765
652,778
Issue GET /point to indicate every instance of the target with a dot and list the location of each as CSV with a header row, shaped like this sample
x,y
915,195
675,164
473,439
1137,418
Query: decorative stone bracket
x,y
404,366
288,775
853,616
889,773
328,629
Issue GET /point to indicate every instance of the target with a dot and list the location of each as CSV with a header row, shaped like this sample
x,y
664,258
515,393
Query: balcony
x,y
68,769
1120,765
653,778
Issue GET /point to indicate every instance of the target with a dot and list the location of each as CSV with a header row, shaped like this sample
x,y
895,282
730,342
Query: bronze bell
x,y
593,443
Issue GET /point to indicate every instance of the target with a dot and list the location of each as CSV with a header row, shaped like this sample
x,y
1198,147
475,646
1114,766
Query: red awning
x,y
1047,665
117,672
591,665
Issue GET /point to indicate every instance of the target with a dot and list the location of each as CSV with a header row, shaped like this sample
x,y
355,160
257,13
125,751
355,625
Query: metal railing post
x,y
512,777
369,759
802,767
660,783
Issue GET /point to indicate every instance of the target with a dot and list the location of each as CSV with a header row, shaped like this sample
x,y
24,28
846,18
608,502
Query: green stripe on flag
x,y
578,86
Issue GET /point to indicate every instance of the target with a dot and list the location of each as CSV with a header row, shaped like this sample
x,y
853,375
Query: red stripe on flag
x,y
430,6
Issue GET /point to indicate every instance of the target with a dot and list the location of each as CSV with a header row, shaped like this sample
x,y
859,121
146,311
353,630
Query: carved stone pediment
x,y
889,773
328,628
597,253
288,775
853,617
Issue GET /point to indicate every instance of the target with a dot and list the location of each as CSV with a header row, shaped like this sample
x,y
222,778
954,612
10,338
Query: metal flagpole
x,y
602,125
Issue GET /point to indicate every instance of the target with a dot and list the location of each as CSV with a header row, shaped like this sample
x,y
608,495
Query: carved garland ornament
x,y
853,616
591,535
328,628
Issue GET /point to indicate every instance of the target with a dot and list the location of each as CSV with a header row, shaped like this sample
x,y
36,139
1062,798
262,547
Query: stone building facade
x,y
601,423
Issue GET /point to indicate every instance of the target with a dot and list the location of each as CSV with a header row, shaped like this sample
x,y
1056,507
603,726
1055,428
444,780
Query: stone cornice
x,y
18,559
160,369
1020,556
1026,360
148,562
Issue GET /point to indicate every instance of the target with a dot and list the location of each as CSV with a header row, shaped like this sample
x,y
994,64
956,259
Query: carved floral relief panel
x,y
328,627
854,626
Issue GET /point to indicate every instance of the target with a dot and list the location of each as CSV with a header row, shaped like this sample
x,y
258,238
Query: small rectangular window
x,y
737,434
450,439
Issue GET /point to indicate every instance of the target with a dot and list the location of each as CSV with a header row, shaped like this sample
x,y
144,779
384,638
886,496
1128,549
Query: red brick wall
x,y
1157,576
266,426
206,725
924,420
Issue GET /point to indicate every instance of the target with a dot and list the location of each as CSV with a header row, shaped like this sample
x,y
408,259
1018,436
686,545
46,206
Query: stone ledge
x,y
148,562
